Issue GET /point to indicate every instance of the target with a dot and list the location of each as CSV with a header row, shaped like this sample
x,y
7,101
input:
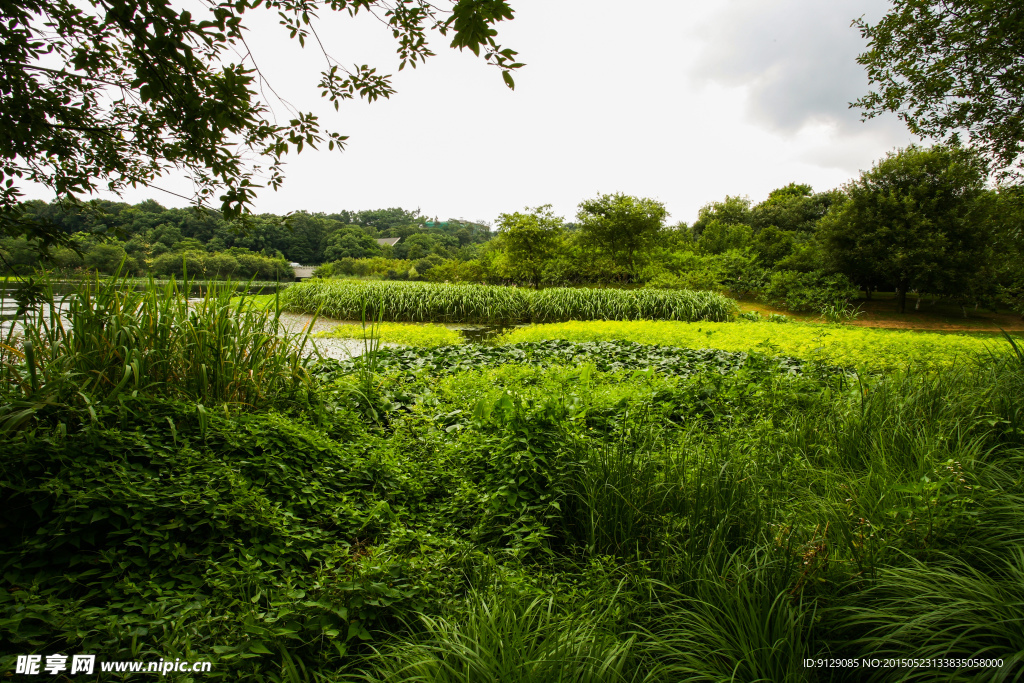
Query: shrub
x,y
797,291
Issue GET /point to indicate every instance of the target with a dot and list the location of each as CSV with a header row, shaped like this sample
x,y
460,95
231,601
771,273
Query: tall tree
x,y
947,66
915,221
528,242
624,227
111,93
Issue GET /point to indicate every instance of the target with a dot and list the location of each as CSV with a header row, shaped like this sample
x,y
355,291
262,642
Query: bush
x,y
812,291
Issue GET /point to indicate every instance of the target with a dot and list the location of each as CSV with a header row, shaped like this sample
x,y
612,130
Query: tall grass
x,y
408,302
465,303
559,304
735,621
507,637
941,611
105,339
677,502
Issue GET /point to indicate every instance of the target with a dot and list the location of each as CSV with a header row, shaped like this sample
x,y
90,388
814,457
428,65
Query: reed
x,y
467,303
105,338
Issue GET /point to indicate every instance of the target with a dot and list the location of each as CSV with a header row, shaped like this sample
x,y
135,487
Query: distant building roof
x,y
388,241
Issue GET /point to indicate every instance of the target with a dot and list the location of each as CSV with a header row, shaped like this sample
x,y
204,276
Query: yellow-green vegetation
x,y
870,348
397,333
258,300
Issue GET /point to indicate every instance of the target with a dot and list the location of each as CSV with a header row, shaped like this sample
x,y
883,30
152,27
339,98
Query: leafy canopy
x,y
624,227
109,93
947,66
915,220
528,241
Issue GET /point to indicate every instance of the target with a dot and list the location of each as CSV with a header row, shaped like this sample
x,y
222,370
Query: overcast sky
x,y
682,101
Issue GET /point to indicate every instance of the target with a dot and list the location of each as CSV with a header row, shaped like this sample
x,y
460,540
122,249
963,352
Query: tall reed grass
x,y
465,303
106,338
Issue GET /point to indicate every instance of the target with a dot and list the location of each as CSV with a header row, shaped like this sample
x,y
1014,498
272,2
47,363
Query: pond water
x,y
477,334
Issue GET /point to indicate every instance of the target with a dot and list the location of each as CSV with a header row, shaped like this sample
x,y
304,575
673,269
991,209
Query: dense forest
x,y
152,239
921,221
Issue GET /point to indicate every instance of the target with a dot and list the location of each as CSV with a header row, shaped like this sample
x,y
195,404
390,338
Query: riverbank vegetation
x,y
608,510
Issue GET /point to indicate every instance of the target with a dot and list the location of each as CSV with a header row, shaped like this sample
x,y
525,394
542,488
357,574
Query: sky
x,y
681,101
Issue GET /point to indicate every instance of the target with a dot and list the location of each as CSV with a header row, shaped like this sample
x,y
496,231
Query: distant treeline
x,y
149,238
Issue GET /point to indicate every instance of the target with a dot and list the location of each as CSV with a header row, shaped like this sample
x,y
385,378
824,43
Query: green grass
x,y
465,303
873,349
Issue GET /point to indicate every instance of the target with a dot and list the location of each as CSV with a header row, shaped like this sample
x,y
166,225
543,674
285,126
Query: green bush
x,y
798,291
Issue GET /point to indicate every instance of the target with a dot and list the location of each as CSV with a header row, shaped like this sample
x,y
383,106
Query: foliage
x,y
528,241
144,88
361,267
105,340
464,303
397,333
622,226
718,237
552,510
350,242
812,291
914,220
731,211
604,356
862,347
793,208
1008,246
948,68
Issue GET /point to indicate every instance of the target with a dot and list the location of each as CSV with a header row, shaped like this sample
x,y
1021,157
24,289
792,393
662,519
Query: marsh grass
x,y
465,303
104,340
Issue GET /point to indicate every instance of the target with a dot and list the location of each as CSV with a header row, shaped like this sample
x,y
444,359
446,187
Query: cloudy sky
x,y
680,100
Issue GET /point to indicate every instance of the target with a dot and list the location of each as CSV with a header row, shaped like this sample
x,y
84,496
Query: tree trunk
x,y
867,294
901,298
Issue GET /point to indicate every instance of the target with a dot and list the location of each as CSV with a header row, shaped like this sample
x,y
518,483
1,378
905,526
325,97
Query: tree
x,y
794,208
914,221
731,211
351,242
146,87
946,66
528,242
623,227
